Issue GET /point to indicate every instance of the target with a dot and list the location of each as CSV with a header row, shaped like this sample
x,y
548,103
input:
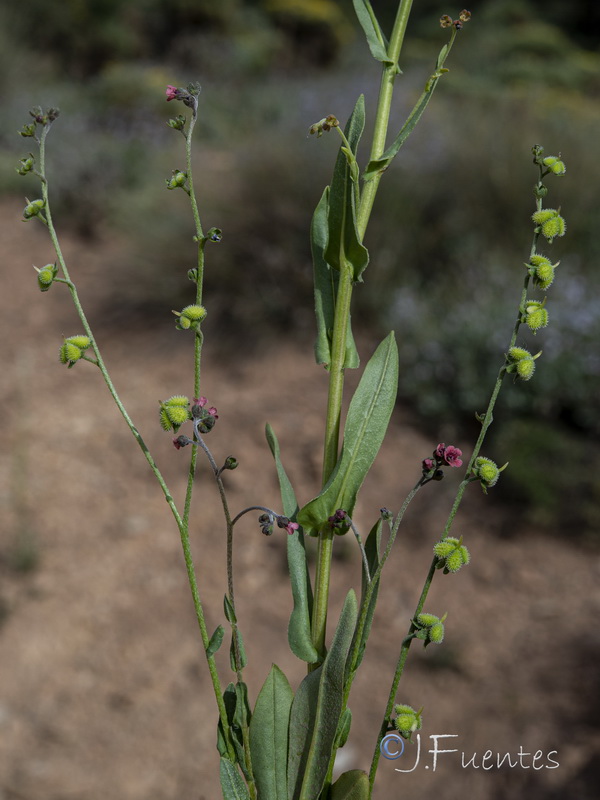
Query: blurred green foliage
x,y
451,226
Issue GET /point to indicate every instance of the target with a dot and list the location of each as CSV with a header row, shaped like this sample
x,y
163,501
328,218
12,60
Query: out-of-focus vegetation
x,y
451,227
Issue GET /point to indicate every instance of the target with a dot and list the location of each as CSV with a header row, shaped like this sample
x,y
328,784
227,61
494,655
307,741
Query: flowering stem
x,y
136,434
373,585
485,424
398,673
198,338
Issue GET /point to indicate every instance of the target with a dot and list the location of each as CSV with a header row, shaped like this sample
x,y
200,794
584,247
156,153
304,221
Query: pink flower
x,y
427,464
291,527
452,456
200,401
439,451
213,412
172,93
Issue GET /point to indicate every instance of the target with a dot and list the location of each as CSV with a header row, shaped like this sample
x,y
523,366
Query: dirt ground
x,y
104,691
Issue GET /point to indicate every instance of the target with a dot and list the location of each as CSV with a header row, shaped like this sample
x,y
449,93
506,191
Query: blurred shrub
x,y
315,29
551,480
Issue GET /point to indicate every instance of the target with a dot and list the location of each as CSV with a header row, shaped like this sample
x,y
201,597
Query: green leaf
x,y
368,417
216,640
382,163
375,38
240,721
343,242
237,636
352,785
299,635
326,285
269,736
343,730
302,723
372,546
329,703
288,497
232,785
229,611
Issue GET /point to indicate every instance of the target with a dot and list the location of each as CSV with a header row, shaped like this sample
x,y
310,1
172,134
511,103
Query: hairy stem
x,y
398,673
183,532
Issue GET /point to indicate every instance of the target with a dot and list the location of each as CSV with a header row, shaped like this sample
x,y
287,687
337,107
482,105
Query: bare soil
x,y
104,692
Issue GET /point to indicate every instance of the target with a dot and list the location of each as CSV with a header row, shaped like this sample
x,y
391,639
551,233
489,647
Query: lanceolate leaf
x,y
375,38
302,723
216,640
329,702
288,497
232,785
382,163
326,283
299,636
343,242
269,736
372,546
366,424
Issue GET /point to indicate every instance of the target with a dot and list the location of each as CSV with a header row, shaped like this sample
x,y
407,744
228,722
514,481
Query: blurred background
x,y
448,237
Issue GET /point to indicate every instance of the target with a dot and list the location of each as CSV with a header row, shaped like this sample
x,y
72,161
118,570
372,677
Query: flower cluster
x,y
204,417
176,410
446,20
323,125
188,96
442,456
40,117
268,520
338,521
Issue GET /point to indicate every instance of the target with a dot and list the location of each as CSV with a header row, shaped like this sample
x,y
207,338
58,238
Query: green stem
x,y
486,422
199,337
382,117
340,327
330,456
365,602
183,532
398,674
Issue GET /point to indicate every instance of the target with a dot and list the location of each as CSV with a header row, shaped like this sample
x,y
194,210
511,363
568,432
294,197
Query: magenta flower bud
x,y
181,441
427,464
172,93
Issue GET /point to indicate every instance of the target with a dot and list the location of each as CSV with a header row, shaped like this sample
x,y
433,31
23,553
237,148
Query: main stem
x,y
340,327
